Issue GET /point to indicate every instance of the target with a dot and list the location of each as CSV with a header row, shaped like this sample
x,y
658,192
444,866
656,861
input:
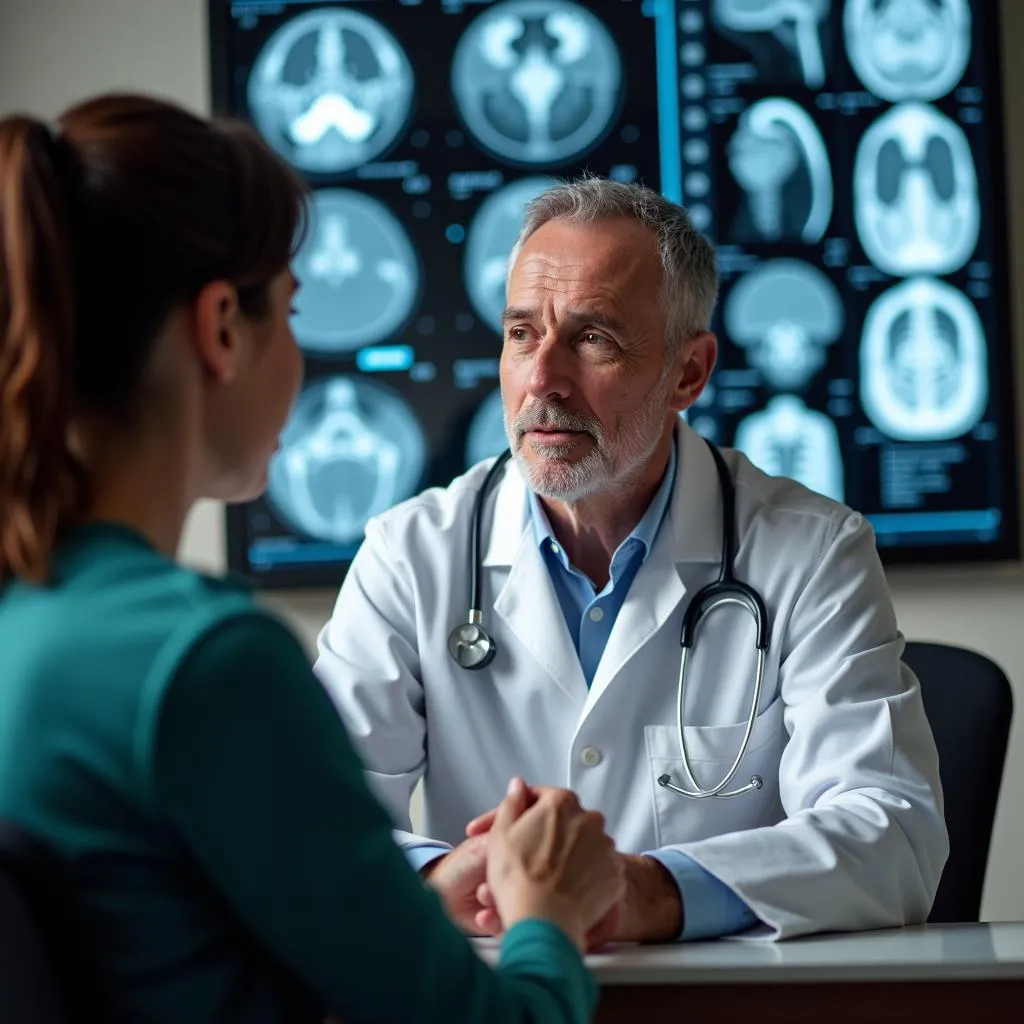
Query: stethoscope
x,y
472,647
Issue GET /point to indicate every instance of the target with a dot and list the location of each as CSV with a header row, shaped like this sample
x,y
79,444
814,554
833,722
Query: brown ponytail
x,y
41,484
106,227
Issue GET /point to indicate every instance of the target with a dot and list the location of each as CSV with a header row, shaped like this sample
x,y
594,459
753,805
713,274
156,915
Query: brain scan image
x,y
795,24
923,362
788,439
487,436
537,81
358,272
785,313
778,158
331,90
915,192
351,449
489,241
908,49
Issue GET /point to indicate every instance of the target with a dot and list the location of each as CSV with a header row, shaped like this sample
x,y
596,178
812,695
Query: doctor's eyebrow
x,y
577,318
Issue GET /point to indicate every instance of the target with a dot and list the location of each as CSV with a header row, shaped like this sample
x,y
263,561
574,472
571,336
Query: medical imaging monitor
x,y
844,156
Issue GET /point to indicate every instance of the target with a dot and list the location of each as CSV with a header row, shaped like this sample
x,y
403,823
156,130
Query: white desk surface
x,y
962,952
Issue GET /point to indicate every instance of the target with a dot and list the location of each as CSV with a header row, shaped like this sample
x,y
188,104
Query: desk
x,y
929,973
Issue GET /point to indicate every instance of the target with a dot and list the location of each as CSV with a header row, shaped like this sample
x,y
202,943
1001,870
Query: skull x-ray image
x,y
537,81
331,89
915,192
795,24
923,362
358,271
487,436
778,158
489,241
351,449
908,49
785,313
788,439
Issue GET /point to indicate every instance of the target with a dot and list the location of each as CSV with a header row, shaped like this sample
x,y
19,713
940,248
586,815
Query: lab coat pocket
x,y
712,750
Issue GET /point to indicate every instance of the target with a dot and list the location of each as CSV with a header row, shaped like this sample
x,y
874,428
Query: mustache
x,y
555,417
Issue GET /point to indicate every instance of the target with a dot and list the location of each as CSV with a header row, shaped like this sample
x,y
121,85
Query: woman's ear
x,y
218,329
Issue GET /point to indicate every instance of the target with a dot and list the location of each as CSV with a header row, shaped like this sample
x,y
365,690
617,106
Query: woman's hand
x,y
548,858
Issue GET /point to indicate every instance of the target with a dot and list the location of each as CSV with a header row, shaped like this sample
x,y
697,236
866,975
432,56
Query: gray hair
x,y
689,271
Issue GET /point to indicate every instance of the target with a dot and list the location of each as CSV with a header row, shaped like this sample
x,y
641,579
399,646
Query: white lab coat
x,y
847,831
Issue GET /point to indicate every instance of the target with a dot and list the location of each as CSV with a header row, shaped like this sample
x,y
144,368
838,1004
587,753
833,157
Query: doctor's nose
x,y
551,373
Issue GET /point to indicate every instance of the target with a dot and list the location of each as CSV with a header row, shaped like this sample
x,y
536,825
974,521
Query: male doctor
x,y
594,540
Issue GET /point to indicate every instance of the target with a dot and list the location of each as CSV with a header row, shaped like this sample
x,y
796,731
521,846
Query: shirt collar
x,y
643,533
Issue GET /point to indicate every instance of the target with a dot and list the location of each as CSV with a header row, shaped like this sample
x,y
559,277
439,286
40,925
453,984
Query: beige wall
x,y
55,51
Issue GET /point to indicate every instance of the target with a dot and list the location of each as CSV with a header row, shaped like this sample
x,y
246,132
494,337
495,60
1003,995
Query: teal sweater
x,y
169,740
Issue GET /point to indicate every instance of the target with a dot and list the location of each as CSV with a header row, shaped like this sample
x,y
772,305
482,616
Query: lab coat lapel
x,y
527,603
691,532
656,593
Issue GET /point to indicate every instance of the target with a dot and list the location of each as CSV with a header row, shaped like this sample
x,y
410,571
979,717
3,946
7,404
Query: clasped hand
x,y
539,854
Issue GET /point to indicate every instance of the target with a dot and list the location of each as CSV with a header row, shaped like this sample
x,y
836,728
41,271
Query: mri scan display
x,y
796,24
351,450
924,363
773,142
784,314
915,192
331,89
359,273
537,81
491,236
843,156
487,436
908,49
788,439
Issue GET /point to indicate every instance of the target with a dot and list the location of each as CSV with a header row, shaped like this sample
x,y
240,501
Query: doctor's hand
x,y
650,911
548,858
457,878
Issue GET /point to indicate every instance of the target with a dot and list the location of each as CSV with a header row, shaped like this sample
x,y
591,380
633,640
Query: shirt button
x,y
556,549
596,614
590,756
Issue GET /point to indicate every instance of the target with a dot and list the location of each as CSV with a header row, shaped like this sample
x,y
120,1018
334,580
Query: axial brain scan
x,y
487,436
908,49
351,450
537,81
331,89
915,192
774,140
923,362
358,271
784,313
788,439
795,23
489,241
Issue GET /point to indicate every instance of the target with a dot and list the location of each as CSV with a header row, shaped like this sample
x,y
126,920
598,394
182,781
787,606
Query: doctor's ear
x,y
218,328
693,365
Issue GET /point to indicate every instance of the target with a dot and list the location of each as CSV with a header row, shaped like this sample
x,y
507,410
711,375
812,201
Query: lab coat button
x,y
596,614
590,756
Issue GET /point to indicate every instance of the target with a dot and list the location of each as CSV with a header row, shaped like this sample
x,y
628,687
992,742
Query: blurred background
x,y
861,172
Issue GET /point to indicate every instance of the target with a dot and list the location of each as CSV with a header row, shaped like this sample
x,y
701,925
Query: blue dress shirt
x,y
710,907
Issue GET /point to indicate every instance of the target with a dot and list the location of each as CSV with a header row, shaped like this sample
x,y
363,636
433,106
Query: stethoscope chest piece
x,y
471,645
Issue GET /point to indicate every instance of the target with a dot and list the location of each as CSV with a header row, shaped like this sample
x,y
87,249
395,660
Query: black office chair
x,y
969,704
45,974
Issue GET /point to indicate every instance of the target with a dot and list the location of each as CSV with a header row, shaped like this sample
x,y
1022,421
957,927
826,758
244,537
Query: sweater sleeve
x,y
252,765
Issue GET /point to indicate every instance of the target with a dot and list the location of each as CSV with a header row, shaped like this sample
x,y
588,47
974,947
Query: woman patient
x,y
158,730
